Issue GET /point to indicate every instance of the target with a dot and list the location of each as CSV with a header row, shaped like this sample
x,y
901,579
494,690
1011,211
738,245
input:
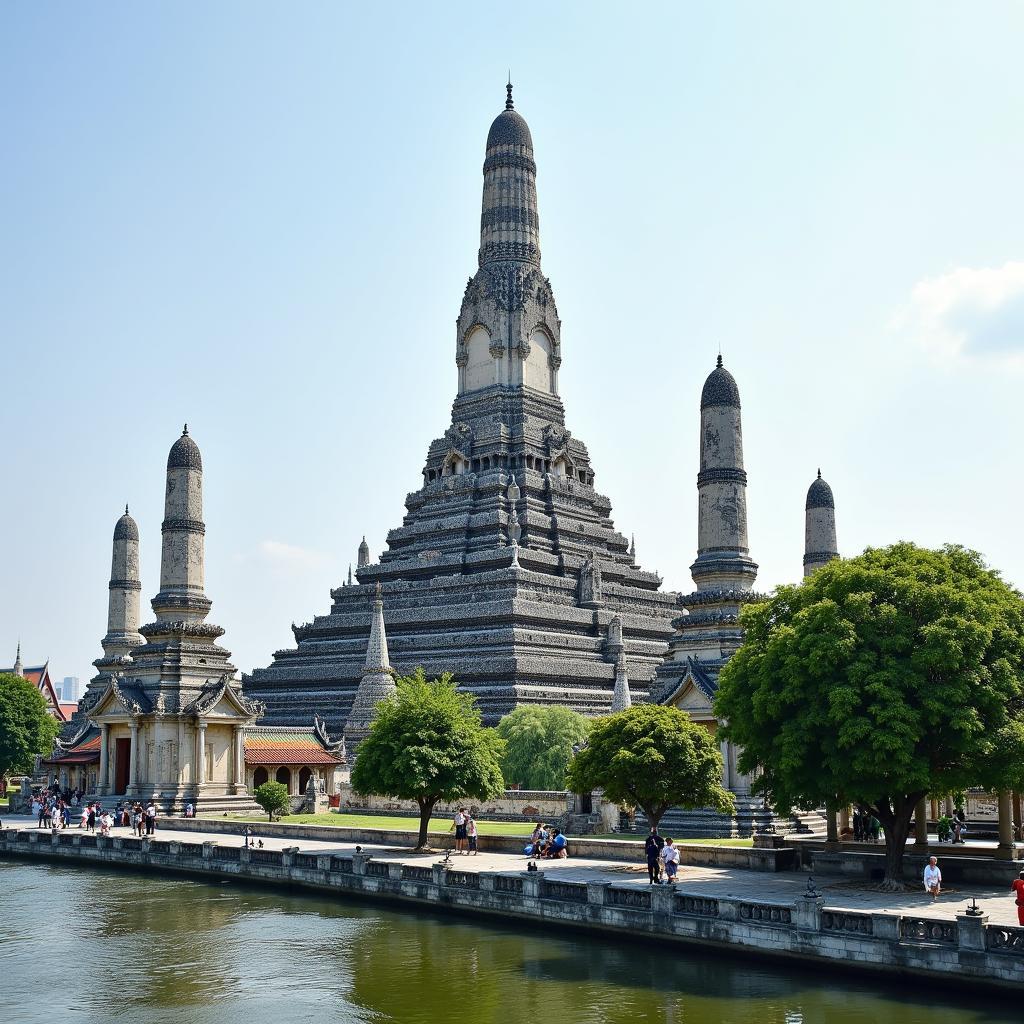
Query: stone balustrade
x,y
968,947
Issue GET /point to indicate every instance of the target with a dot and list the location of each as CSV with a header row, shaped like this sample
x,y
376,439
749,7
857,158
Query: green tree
x,y
427,744
652,757
538,744
272,797
877,681
26,726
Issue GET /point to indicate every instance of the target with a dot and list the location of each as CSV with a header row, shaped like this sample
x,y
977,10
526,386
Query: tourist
x,y
670,858
459,826
90,820
83,816
190,811
37,811
537,840
150,818
557,848
1017,887
933,878
653,846
471,834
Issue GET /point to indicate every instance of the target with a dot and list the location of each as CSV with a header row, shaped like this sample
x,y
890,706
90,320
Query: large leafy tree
x,y
879,680
427,744
652,757
26,726
539,744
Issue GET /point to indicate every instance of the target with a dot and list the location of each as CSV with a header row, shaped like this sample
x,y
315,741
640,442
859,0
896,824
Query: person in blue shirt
x,y
558,847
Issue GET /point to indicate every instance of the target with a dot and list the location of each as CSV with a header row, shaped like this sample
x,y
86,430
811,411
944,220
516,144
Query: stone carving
x,y
590,582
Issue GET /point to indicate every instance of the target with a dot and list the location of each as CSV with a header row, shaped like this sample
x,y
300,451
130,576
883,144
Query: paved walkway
x,y
783,887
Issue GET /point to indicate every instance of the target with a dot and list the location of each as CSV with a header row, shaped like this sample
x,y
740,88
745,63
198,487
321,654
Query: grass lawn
x,y
442,825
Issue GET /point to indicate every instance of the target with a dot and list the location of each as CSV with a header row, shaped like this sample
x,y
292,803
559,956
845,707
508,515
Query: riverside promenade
x,y
775,914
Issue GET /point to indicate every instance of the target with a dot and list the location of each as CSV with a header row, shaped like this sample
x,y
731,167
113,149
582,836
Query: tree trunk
x,y
895,816
426,809
654,814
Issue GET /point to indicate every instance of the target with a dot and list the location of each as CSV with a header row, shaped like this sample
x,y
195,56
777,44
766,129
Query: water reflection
x,y
128,946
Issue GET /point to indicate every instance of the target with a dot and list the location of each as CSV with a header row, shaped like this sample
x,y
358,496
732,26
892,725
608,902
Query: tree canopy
x,y
427,744
272,797
878,680
538,744
26,726
652,757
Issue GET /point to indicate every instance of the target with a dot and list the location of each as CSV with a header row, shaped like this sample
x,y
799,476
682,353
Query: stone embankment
x,y
951,949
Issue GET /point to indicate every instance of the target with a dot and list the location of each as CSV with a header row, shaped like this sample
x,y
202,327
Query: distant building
x,y
68,690
61,708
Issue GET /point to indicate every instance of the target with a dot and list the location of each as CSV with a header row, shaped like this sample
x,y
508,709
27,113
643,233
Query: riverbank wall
x,y
806,930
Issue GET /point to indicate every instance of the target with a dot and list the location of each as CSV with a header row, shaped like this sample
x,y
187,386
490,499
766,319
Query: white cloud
x,y
969,315
290,557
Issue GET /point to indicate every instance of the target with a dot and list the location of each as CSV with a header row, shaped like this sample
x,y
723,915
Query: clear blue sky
x,y
260,218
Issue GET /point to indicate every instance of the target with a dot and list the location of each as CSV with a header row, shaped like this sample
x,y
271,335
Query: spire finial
x,y
378,596
719,360
184,433
509,105
819,472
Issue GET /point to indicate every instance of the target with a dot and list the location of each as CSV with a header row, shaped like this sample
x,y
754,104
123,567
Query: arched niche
x,y
537,367
479,361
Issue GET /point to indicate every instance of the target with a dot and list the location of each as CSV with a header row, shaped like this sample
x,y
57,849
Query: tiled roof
x,y
84,753
272,746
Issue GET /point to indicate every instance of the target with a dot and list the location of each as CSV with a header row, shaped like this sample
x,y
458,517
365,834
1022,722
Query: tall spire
x,y
508,331
377,681
509,225
125,590
819,526
19,669
363,555
182,557
723,558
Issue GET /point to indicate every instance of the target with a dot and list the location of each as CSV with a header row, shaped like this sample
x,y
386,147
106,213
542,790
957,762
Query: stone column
x,y
200,754
1005,849
101,781
133,756
921,823
726,774
844,820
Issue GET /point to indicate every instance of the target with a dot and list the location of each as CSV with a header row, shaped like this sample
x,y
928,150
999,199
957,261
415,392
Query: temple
x,y
507,569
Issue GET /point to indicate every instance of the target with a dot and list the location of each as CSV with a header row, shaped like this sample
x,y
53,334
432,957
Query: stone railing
x,y
306,860
265,856
417,873
766,913
343,864
462,879
190,849
509,884
1004,939
695,906
921,929
637,898
847,922
567,892
377,869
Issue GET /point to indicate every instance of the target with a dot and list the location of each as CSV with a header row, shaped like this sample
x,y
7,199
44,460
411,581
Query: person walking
x,y
933,878
150,818
653,845
90,821
670,858
471,834
1017,887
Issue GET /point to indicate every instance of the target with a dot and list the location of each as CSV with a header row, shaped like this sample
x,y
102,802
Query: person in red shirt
x,y
1017,885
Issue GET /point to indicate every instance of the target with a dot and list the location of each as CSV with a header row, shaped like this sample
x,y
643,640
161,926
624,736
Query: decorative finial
x,y
509,105
819,472
126,508
184,433
719,360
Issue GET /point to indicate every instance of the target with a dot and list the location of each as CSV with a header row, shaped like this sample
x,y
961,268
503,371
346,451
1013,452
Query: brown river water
x,y
92,945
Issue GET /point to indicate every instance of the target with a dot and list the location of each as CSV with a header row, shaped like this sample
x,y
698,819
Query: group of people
x,y
662,859
547,843
464,827
866,827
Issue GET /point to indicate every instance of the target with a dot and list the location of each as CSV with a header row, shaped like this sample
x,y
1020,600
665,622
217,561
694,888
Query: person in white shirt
x,y
670,858
459,825
933,878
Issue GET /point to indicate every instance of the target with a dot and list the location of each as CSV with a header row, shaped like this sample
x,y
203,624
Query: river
x,y
94,945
